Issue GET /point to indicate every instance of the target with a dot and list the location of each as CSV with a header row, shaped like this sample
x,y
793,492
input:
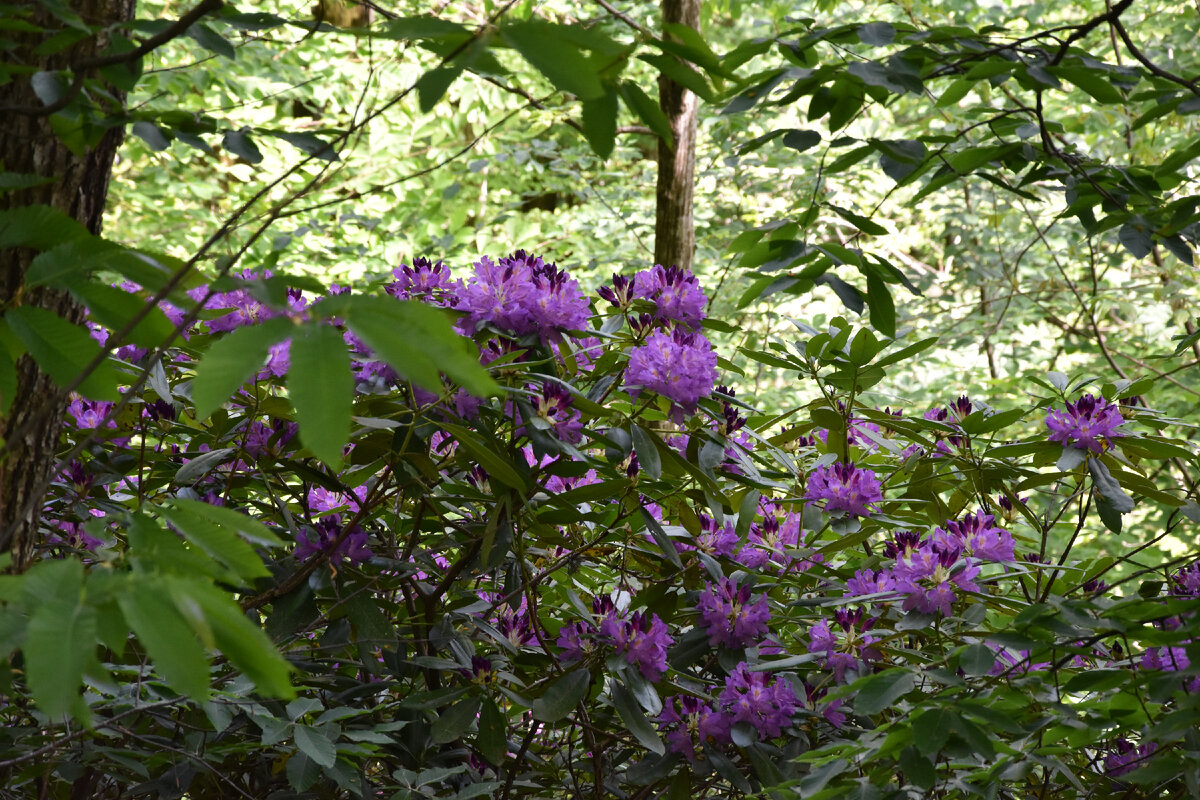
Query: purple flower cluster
x,y
524,295
554,406
979,536
931,573
1125,757
846,647
676,294
769,542
731,616
845,488
693,726
643,640
323,538
1090,423
425,281
680,366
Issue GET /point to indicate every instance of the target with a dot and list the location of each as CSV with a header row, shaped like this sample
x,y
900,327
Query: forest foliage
x,y
394,467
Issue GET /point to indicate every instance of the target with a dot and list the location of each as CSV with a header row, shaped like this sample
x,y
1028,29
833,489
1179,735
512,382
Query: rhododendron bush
x,y
332,547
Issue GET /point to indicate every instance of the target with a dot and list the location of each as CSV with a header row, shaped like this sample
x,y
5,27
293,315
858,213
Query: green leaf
x,y
977,659
315,744
492,740
452,724
550,52
801,140
1093,83
432,86
321,389
647,451
309,144
247,647
166,635
682,74
881,306
414,339
8,379
221,544
877,692
661,539
562,696
1108,486
239,143
63,351
635,719
1097,680
918,770
931,730
233,360
1071,458
600,121
61,637
647,110
496,465
954,92
210,40
113,308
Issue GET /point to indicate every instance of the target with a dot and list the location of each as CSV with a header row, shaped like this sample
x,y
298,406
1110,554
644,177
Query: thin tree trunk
x,y
674,235
78,187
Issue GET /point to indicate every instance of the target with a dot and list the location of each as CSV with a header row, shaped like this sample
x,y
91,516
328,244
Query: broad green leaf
x,y
600,121
453,723
647,451
212,41
563,63
8,379
233,360
635,719
492,740
60,639
151,134
496,465
1108,486
918,770
321,388
415,339
248,528
877,692
113,308
661,539
219,543
562,696
241,145
1092,82
977,659
247,647
315,744
881,307
931,730
647,110
308,143
63,351
166,635
682,74
955,91
432,86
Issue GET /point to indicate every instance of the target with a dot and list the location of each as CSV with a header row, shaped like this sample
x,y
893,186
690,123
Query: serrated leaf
x,y
63,351
551,53
562,696
233,360
322,391
600,122
166,635
60,639
221,544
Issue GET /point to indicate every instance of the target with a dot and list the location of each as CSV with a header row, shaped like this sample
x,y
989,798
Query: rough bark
x,y
79,187
674,235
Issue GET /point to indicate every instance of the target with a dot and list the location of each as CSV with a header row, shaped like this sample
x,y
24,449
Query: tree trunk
x,y
674,235
78,187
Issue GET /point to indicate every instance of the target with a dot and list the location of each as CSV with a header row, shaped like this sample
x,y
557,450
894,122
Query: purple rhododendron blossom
x,y
844,487
1125,757
642,640
847,645
691,725
425,281
554,406
1186,582
755,698
262,440
322,538
577,640
978,535
524,295
870,582
716,540
930,574
676,294
680,366
1090,423
90,413
730,616
769,542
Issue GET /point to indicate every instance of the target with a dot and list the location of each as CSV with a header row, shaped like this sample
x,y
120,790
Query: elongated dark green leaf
x,y
1109,487
455,721
63,351
881,690
219,543
682,74
932,730
647,110
661,539
8,379
647,451
315,744
492,741
977,659
241,145
881,306
210,40
635,719
309,144
321,389
497,466
151,134
247,647
432,86
600,121
60,639
113,308
39,227
249,529
166,635
551,53
562,696
233,360
415,339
